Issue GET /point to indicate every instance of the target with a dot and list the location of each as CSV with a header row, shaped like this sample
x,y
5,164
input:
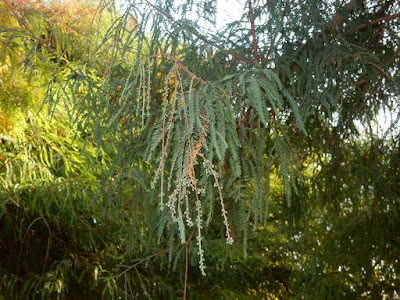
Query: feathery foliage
x,y
276,133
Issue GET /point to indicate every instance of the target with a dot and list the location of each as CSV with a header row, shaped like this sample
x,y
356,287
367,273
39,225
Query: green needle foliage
x,y
267,149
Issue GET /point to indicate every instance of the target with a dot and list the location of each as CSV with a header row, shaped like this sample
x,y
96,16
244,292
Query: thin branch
x,y
48,48
284,10
361,108
179,63
265,59
48,247
338,19
16,155
379,68
392,238
48,241
361,83
247,115
42,42
343,57
376,21
64,182
391,60
15,201
341,97
264,6
241,112
148,257
253,33
199,36
187,263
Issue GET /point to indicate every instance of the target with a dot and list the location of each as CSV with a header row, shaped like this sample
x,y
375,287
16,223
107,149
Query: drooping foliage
x,y
277,133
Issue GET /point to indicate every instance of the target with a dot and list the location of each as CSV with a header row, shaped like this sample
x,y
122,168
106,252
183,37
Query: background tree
x,y
267,134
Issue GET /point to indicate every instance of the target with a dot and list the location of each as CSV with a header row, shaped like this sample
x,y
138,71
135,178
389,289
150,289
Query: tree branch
x,y
148,257
199,36
179,63
264,6
161,252
376,21
379,68
253,33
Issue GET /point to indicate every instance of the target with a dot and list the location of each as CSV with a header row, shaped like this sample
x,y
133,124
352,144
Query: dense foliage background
x,y
143,147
